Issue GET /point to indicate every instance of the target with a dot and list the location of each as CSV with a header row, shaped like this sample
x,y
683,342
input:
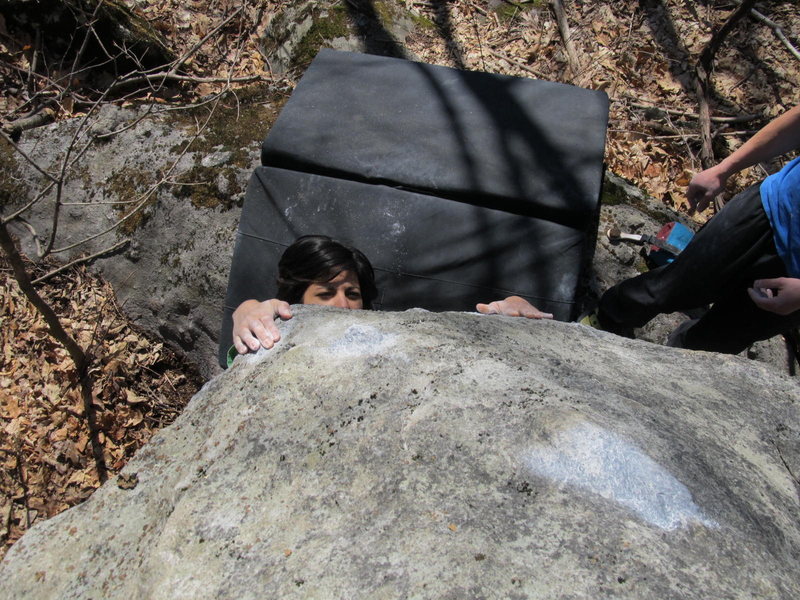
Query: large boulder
x,y
450,455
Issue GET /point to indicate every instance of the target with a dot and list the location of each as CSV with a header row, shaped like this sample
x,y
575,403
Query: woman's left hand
x,y
513,306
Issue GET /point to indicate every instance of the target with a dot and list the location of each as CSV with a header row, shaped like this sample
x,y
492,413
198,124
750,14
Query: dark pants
x,y
723,259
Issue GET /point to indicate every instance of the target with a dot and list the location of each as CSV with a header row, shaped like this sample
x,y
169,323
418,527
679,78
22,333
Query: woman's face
x,y
342,291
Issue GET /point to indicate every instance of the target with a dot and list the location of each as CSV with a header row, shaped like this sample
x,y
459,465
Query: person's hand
x,y
513,306
704,187
780,296
254,324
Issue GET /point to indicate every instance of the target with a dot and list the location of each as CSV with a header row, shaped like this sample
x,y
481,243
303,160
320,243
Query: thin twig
x,y
180,61
688,115
515,63
39,196
66,165
703,80
85,43
28,158
775,27
134,123
77,355
32,231
145,196
81,260
474,6
188,78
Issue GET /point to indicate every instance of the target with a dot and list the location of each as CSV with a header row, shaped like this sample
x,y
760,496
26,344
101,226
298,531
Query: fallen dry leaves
x,y
641,53
45,455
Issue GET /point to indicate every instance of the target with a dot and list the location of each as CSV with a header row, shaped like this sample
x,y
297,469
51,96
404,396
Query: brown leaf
x,y
133,398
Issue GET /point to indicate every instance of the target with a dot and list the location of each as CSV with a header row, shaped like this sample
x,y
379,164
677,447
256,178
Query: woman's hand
x,y
513,306
254,324
780,296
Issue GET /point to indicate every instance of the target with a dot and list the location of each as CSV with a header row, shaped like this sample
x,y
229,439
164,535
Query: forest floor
x,y
642,53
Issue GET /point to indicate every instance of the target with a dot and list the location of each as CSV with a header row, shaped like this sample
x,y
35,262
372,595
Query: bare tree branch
x,y
28,158
566,35
776,28
703,80
81,260
41,117
76,353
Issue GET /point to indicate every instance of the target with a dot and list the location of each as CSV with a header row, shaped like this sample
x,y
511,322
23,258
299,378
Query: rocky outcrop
x,y
171,276
187,189
447,455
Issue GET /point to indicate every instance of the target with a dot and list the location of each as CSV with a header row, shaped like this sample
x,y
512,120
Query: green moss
x,y
326,26
388,12
422,21
240,121
238,125
640,264
127,185
508,10
201,187
613,194
12,191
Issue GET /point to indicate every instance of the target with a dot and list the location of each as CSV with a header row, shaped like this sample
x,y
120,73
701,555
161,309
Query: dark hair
x,y
318,258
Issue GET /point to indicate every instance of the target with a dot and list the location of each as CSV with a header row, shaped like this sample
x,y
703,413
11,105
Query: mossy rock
x,y
296,35
617,190
128,186
12,190
507,10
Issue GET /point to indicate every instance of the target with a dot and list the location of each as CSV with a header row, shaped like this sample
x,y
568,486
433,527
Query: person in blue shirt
x,y
745,261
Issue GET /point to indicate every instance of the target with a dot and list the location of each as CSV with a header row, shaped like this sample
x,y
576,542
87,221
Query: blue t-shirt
x,y
780,195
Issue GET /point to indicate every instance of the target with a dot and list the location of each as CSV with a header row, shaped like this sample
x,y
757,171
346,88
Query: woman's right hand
x,y
254,324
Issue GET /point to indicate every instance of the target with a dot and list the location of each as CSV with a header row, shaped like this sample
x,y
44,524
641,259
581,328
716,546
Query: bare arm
x,y
777,137
254,324
513,306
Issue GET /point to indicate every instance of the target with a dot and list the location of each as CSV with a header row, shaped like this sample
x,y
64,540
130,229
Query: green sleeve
x,y
232,353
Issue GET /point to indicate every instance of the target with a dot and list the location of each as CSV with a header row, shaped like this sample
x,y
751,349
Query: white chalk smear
x,y
589,457
361,340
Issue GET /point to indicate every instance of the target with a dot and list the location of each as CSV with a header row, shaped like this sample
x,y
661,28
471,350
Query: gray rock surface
x,y
396,455
171,276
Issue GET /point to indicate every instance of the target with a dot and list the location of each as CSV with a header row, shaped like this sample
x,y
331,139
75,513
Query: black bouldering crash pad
x,y
461,187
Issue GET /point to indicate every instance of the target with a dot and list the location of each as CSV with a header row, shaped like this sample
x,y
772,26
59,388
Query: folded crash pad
x,y
460,187
527,146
